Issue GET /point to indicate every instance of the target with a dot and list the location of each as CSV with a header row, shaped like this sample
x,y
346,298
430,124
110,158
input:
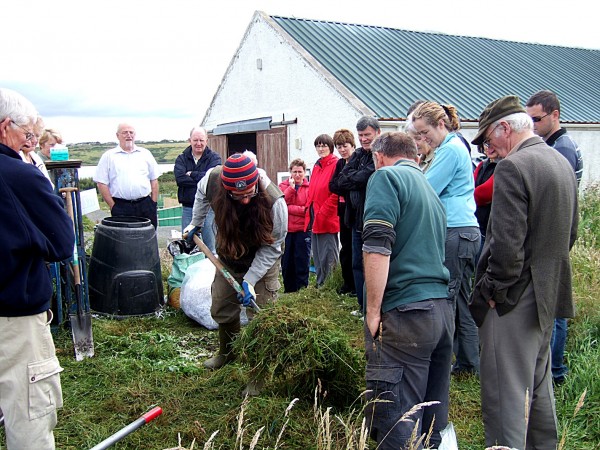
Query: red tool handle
x,y
152,414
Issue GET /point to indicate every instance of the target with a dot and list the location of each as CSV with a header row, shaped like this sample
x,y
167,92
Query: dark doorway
x,y
237,143
269,146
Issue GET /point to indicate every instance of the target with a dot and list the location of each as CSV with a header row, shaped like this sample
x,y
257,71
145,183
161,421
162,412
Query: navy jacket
x,y
187,184
34,228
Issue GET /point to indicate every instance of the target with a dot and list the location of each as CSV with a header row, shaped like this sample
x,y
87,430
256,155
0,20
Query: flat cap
x,y
496,110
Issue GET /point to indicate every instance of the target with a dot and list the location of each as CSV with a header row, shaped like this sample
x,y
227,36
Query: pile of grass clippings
x,y
295,351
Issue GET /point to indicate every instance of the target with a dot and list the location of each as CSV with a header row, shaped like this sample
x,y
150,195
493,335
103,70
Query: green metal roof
x,y
388,69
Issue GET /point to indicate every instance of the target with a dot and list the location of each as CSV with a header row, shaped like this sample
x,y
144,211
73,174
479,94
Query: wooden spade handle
x,y
222,269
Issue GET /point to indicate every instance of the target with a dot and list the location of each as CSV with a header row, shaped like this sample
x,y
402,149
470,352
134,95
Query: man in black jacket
x,y
34,228
352,182
190,167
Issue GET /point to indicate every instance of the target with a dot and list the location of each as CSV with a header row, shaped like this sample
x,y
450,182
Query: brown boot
x,y
227,333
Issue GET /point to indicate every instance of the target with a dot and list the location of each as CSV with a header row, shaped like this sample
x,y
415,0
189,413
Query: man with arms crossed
x,y
409,324
352,184
190,168
523,278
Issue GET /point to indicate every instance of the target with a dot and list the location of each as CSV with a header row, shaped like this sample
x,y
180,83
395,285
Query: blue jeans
x,y
357,265
409,363
462,246
209,230
557,348
295,262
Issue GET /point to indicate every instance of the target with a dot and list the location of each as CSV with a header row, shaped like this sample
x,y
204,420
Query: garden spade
x,y
223,270
81,320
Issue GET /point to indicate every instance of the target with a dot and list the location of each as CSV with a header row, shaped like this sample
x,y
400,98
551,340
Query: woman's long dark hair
x,y
242,227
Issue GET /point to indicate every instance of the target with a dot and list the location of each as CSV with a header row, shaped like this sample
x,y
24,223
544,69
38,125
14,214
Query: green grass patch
x,y
165,152
310,347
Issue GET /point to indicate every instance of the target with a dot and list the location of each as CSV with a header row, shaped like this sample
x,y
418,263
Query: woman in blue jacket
x,y
451,176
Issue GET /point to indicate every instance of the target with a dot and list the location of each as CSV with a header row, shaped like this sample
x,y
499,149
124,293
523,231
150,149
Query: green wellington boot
x,y
227,333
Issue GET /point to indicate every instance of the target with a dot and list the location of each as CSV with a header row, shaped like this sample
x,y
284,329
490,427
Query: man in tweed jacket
x,y
523,279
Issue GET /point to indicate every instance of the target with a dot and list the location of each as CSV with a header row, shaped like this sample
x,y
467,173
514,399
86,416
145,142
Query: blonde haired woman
x,y
48,140
451,176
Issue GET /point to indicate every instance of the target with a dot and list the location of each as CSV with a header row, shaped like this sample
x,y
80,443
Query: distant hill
x,y
165,152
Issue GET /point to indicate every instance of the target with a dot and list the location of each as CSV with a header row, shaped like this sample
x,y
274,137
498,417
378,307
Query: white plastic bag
x,y
448,438
195,297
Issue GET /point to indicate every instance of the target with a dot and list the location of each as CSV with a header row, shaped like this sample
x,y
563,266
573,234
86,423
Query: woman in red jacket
x,y
321,215
295,264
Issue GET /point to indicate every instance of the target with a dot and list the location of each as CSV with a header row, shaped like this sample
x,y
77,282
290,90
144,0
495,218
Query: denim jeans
x,y
408,363
557,348
295,262
357,265
462,246
208,229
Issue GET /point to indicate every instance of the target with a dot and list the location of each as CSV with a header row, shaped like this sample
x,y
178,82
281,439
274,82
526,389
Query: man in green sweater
x,y
409,323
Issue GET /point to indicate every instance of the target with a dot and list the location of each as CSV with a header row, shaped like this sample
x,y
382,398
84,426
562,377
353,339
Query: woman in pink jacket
x,y
295,264
321,215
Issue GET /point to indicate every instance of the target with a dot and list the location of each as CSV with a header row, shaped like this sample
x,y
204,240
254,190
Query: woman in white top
x,y
29,155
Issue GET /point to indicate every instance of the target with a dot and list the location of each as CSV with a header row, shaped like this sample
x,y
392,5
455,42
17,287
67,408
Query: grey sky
x,y
87,65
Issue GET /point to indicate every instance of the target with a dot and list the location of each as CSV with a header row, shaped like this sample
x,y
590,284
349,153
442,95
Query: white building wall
x,y
588,140
286,88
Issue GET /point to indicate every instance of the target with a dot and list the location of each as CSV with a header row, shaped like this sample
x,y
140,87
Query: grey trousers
x,y
516,377
462,245
326,254
409,363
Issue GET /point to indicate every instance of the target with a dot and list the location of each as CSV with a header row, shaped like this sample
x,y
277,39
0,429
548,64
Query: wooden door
x,y
272,151
218,144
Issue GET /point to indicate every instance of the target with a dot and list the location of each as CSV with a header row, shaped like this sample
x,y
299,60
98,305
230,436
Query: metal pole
x,y
149,416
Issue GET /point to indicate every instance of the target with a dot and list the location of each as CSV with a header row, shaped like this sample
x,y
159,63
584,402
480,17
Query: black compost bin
x,y
124,276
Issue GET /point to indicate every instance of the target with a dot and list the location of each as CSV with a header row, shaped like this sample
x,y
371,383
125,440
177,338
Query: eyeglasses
x,y
321,145
239,198
28,134
486,141
536,119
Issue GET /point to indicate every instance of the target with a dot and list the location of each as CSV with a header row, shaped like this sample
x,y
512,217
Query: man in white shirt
x,y
127,178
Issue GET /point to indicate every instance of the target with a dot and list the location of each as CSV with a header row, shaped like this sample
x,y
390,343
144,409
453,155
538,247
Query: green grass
x,y
165,152
141,362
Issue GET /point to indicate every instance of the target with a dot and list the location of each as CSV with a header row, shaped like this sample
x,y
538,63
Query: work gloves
x,y
192,230
249,295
